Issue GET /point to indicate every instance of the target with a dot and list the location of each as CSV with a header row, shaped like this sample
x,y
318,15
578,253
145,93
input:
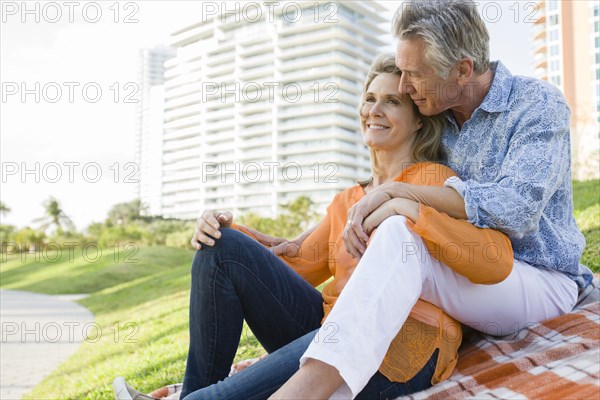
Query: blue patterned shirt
x,y
513,157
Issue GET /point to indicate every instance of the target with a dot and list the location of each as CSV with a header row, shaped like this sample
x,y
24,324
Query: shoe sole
x,y
120,389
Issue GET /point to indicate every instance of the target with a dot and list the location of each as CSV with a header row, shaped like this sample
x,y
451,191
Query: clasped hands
x,y
363,217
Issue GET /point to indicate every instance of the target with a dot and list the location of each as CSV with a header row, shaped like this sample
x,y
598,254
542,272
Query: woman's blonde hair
x,y
427,145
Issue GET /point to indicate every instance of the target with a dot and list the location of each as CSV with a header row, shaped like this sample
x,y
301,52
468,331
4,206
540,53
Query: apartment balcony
x,y
173,145
221,147
184,68
179,155
213,117
256,130
193,197
324,46
220,126
304,34
178,134
261,141
254,119
183,175
181,112
178,78
541,20
173,168
260,59
192,33
317,122
220,59
542,64
172,188
220,71
192,100
265,46
325,71
262,71
182,91
250,108
183,122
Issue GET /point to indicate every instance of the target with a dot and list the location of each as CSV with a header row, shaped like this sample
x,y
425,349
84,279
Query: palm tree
x,y
4,209
54,216
126,212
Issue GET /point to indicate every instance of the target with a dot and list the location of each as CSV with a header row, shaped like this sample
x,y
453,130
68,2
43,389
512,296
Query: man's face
x,y
430,92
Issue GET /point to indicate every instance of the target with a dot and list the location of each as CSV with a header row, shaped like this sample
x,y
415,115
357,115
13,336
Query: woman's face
x,y
388,119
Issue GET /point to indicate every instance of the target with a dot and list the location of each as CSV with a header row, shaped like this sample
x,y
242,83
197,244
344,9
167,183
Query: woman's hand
x,y
354,235
291,248
275,243
209,224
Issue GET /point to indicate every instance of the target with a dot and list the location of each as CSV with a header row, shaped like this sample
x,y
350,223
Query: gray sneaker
x,y
125,392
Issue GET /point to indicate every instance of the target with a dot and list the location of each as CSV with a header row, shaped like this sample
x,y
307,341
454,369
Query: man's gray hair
x,y
450,29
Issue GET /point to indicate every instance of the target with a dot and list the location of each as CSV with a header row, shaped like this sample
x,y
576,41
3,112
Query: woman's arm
x,y
211,221
482,255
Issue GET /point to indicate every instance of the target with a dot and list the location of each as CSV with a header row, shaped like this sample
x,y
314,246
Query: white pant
x,y
394,272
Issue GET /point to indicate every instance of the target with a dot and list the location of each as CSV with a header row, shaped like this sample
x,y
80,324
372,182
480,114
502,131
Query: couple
x,y
440,246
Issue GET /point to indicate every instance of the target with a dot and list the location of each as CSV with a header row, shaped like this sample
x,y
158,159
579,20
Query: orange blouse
x,y
481,255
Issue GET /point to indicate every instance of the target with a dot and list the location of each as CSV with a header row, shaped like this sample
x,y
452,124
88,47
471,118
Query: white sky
x,y
102,133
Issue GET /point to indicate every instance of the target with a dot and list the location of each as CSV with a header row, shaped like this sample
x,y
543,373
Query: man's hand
x,y
398,206
209,224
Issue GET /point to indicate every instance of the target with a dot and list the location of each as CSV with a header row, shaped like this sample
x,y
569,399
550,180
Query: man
x,y
507,137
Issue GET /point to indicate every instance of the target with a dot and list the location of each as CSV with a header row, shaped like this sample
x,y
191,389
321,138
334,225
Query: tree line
x,y
130,222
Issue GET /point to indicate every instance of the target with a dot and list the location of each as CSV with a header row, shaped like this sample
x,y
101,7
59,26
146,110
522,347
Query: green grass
x,y
145,301
586,201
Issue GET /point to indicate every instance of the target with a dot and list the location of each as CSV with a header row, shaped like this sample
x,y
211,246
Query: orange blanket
x,y
555,359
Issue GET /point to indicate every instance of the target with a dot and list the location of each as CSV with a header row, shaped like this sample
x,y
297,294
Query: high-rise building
x,y
261,105
149,124
567,53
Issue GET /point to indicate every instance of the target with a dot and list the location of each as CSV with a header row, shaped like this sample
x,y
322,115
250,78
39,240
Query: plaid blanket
x,y
555,359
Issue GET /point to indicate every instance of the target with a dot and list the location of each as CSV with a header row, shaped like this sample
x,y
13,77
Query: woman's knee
x,y
230,241
393,224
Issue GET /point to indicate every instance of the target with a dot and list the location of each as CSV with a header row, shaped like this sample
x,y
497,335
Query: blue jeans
x,y
240,279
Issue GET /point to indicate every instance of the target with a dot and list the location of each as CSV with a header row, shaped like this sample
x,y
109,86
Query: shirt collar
x,y
496,99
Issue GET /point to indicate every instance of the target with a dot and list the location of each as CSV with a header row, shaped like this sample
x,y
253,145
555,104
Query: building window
x,y
553,20
554,66
553,5
553,50
553,35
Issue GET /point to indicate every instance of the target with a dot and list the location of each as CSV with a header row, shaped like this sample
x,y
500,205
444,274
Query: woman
x,y
235,278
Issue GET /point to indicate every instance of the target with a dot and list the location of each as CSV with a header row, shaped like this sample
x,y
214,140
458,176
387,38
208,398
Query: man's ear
x,y
465,70
419,124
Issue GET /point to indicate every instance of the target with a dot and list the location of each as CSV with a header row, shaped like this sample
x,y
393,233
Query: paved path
x,y
38,332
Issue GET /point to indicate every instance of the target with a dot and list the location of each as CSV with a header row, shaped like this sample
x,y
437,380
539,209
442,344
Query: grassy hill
x,y
140,299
